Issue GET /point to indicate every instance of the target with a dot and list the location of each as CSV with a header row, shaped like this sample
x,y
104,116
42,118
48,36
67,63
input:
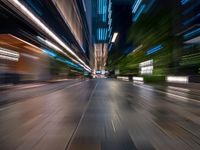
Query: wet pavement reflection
x,y
101,114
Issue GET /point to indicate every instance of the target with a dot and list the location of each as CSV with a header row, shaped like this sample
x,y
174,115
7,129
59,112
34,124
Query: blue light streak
x,y
110,31
71,64
82,49
34,7
51,54
110,47
155,49
46,51
103,30
188,46
136,5
191,19
183,2
101,34
109,27
110,22
128,50
99,6
192,33
103,6
139,12
191,8
98,34
60,59
109,6
104,11
150,5
110,14
106,33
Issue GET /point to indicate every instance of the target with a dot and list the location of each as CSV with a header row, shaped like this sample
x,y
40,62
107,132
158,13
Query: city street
x,y
100,114
99,74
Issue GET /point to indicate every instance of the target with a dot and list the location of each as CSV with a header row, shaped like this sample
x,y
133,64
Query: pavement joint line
x,y
161,129
186,99
30,86
68,144
72,85
113,126
157,125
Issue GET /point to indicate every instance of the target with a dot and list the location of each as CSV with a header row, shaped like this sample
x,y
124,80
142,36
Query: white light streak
x,y
48,43
29,56
84,5
9,58
195,40
9,54
32,17
25,42
137,48
177,79
136,6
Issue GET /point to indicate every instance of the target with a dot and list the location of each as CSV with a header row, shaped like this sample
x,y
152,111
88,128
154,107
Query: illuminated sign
x,y
146,67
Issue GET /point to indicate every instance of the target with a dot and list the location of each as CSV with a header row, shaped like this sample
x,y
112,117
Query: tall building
x,y
189,34
101,32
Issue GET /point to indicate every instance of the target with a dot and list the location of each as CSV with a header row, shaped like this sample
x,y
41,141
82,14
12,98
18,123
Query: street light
x,y
114,37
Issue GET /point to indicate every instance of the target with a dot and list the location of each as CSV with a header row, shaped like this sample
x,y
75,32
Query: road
x,y
101,114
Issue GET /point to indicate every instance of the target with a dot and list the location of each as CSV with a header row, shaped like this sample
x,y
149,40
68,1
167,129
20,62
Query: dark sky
x,y
123,2
122,20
